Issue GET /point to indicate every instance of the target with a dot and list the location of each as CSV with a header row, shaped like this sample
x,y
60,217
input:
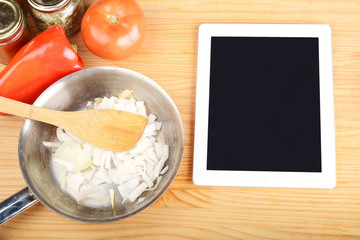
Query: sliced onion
x,y
137,191
88,170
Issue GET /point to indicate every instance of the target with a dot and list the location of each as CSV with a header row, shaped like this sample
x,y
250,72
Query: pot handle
x,y
16,204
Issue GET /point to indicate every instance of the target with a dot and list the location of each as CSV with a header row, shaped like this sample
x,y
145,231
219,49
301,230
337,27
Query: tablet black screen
x,y
264,110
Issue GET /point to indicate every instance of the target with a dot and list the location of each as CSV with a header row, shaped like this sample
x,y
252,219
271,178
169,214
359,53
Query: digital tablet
x,y
264,106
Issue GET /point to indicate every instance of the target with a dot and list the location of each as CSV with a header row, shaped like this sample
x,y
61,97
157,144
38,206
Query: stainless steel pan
x,y
73,93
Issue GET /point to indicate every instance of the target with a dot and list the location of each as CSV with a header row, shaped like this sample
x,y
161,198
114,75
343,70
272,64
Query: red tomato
x,y
113,29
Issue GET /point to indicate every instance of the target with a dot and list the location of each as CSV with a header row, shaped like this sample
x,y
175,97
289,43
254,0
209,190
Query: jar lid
x,y
48,5
11,18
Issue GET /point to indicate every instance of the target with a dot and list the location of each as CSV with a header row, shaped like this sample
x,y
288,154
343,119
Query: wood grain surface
x,y
186,211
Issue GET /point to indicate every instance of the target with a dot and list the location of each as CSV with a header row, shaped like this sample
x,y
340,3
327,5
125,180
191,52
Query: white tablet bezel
x,y
324,179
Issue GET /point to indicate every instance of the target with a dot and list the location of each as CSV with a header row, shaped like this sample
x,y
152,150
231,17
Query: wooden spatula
x,y
108,129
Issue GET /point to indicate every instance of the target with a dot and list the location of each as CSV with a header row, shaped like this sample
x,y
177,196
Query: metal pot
x,y
73,93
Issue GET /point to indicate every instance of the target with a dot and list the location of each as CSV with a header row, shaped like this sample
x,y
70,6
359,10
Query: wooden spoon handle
x,y
21,109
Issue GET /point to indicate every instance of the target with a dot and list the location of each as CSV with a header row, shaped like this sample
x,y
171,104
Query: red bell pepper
x,y
38,64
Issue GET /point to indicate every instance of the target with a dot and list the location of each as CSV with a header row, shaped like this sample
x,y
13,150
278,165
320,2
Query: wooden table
x,y
169,56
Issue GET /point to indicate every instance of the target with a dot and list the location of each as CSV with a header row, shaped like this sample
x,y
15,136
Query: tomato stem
x,y
74,46
113,19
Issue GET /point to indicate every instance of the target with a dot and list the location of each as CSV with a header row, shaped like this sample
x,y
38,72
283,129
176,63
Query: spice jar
x,y
66,13
14,32
22,4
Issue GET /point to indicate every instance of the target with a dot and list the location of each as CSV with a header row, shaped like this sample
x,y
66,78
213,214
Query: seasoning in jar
x,y
13,30
66,13
23,5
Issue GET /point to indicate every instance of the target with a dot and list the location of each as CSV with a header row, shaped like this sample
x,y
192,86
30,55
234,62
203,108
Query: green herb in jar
x,y
66,13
